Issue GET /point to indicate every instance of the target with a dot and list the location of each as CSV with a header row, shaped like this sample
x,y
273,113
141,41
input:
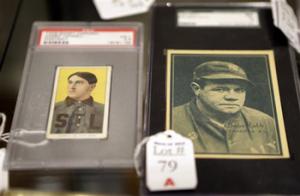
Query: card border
x,y
104,134
276,96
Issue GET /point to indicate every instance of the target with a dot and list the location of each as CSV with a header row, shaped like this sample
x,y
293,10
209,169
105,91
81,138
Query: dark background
x,y
215,176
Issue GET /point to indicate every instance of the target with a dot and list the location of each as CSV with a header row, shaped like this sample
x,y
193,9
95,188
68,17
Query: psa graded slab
x,y
227,102
224,76
80,104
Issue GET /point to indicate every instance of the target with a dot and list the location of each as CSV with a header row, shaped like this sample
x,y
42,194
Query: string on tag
x,y
3,171
21,132
3,136
137,153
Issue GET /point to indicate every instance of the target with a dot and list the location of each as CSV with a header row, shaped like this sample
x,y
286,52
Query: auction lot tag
x,y
170,162
3,173
110,9
286,20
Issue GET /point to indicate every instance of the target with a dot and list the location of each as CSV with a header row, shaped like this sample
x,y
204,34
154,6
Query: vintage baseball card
x,y
227,102
80,103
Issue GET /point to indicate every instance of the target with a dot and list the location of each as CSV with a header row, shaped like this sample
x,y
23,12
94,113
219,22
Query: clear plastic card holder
x,y
58,52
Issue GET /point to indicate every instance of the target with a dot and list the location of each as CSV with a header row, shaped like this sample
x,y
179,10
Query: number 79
x,y
170,166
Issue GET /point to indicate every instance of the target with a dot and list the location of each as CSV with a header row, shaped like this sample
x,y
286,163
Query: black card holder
x,y
226,175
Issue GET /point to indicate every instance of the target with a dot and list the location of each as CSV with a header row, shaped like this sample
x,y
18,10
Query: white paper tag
x,y
217,19
274,5
87,37
3,173
170,157
286,20
109,9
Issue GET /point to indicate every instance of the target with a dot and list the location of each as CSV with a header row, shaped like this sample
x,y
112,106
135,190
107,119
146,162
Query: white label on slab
x,y
217,19
87,37
109,9
3,173
170,162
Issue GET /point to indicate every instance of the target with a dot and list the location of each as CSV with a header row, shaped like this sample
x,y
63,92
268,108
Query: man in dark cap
x,y
217,120
79,113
